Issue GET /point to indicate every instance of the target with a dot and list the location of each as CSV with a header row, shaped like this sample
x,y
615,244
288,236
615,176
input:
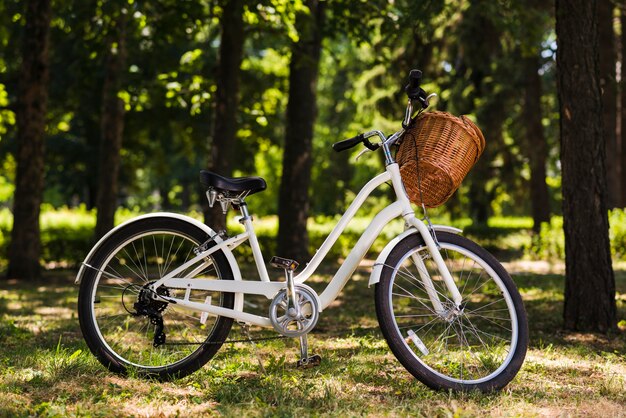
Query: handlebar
x,y
354,141
348,143
414,93
413,89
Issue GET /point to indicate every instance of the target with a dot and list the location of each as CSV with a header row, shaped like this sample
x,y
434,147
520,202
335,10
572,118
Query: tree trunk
x,y
480,198
293,203
226,101
537,149
482,52
589,284
623,111
111,125
490,119
608,87
25,247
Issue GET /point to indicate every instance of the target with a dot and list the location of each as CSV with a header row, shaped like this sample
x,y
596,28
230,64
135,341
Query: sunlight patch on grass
x,y
534,267
537,293
58,312
46,368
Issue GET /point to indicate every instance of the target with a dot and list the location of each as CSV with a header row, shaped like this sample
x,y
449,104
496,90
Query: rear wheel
x,y
126,326
480,344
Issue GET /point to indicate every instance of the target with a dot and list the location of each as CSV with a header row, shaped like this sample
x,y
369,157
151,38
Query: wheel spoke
x,y
410,277
118,302
138,275
466,343
156,253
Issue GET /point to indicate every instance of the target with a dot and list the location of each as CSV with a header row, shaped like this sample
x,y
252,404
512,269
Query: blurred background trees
x,y
183,109
30,111
144,94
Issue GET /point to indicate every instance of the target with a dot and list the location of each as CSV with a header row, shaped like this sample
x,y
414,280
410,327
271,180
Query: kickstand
x,y
246,330
305,361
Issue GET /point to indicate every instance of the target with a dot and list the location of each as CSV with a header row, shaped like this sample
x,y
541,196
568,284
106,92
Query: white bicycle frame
x,y
401,207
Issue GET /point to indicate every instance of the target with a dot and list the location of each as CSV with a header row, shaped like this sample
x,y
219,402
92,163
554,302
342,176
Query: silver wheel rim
x,y
180,344
435,350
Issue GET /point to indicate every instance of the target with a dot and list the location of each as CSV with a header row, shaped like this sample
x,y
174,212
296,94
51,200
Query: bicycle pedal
x,y
283,263
309,362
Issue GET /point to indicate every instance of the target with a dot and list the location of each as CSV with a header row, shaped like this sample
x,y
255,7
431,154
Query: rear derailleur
x,y
150,305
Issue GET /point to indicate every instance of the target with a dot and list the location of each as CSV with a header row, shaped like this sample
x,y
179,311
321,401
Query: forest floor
x,y
47,370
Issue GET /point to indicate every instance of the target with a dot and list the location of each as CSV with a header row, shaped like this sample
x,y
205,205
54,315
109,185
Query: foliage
x,y
67,234
369,48
549,243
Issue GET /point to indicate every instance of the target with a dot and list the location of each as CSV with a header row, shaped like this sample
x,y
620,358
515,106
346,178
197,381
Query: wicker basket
x,y
447,147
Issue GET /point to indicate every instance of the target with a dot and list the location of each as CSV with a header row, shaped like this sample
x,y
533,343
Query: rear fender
x,y
229,255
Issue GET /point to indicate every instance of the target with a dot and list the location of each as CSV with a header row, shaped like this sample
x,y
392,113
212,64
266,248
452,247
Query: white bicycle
x,y
159,293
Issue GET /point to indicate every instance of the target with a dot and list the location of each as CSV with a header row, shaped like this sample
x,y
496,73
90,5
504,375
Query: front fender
x,y
382,257
229,255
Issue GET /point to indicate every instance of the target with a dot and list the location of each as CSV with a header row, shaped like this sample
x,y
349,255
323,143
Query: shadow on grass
x,y
46,365
42,313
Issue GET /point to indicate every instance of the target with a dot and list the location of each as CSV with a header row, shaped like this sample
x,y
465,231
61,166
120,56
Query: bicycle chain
x,y
278,337
247,340
250,340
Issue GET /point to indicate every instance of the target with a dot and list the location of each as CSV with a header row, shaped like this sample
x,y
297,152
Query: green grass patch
x,y
550,242
46,368
67,234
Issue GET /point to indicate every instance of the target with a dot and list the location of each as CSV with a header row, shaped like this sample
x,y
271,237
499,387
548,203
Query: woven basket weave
x,y
447,148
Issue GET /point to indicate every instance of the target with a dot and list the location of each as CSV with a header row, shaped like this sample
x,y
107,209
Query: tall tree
x,y
536,146
111,121
293,203
623,109
530,23
25,247
590,284
226,100
608,87
480,53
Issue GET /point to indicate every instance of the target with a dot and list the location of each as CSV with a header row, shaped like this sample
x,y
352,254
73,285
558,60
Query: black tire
x,y
114,280
478,347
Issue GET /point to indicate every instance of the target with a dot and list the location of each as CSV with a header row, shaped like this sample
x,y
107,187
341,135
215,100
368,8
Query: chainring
x,y
285,318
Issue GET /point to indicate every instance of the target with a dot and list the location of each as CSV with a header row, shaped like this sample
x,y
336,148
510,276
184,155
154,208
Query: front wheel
x,y
479,345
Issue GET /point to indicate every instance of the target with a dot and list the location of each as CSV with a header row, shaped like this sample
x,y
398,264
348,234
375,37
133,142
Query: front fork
x,y
433,249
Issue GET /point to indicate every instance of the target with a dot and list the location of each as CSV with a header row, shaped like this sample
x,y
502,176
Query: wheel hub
x,y
452,312
148,301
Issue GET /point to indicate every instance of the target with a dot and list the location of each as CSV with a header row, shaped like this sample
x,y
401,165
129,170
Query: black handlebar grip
x,y
348,143
413,88
415,77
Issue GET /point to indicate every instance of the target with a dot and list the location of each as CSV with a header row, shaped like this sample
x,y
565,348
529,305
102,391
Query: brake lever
x,y
360,154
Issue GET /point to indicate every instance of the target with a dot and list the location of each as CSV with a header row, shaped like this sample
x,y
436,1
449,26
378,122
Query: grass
x,y
67,232
47,370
